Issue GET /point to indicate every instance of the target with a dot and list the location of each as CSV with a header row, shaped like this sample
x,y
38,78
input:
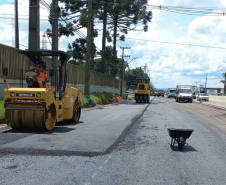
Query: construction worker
x,y
40,69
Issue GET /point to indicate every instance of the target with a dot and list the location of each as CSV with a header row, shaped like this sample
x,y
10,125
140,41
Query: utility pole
x,y
141,74
145,67
34,26
122,69
206,82
54,62
16,25
89,48
225,83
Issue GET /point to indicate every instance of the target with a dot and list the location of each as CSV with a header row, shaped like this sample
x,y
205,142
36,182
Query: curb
x,y
211,105
4,127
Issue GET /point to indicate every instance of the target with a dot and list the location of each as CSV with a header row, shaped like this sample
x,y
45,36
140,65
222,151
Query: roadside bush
x,y
2,110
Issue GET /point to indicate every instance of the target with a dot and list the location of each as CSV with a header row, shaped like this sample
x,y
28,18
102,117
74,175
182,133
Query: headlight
x,y
38,95
135,91
12,94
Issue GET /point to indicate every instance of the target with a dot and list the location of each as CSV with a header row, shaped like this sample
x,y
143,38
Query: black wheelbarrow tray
x,y
179,136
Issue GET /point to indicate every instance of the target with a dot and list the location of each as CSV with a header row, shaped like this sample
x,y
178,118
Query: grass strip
x,y
2,110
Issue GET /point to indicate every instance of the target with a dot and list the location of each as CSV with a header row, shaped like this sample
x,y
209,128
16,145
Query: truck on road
x,y
160,93
171,92
183,93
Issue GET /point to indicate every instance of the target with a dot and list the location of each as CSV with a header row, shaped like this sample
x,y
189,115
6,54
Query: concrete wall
x,y
217,98
93,88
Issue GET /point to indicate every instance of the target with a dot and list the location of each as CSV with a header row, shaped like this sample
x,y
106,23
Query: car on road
x,y
204,96
129,91
194,96
171,92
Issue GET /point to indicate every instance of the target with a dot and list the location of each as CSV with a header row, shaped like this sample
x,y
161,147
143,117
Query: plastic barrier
x,y
104,98
117,99
92,104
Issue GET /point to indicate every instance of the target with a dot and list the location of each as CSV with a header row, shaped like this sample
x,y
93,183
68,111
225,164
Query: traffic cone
x,y
200,100
117,99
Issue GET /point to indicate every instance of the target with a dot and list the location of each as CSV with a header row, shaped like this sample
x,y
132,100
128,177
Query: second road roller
x,y
39,106
142,92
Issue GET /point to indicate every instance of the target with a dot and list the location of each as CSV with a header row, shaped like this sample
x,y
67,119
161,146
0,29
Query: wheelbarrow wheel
x,y
181,143
180,146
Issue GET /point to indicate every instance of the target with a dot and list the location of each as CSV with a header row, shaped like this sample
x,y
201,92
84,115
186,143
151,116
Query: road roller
x,y
36,108
142,92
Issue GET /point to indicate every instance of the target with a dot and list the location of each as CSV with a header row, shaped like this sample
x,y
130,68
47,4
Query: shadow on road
x,y
186,148
60,127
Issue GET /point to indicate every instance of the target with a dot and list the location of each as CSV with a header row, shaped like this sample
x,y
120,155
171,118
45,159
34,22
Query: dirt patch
x,y
214,116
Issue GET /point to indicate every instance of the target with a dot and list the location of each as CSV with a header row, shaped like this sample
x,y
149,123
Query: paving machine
x,y
40,108
142,91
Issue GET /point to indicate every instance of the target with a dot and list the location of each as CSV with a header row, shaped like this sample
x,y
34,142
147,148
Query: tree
x,y
125,16
99,65
74,16
132,75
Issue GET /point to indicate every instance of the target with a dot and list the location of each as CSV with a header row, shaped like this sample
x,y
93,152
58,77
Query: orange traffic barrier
x,y
200,100
104,98
117,99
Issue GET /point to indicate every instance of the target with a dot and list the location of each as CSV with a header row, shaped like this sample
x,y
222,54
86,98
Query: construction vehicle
x,y
142,91
40,108
160,93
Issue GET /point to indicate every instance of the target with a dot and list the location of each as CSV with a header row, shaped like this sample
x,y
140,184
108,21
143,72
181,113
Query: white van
x,y
183,93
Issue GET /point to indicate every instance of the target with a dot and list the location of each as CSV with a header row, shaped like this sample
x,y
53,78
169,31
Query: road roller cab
x,y
38,108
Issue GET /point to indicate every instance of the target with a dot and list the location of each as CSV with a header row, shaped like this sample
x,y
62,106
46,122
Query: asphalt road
x,y
137,153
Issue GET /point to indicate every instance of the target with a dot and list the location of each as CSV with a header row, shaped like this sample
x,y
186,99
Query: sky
x,y
177,49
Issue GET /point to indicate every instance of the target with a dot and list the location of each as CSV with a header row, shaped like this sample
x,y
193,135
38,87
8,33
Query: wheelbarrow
x,y
179,136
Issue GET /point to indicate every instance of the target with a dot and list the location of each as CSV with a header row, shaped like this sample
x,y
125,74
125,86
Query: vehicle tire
x,y
180,146
76,111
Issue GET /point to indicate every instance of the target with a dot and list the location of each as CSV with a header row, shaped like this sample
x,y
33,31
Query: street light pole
x,y
132,59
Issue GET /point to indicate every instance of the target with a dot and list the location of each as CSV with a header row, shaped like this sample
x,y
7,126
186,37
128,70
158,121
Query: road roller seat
x,y
36,76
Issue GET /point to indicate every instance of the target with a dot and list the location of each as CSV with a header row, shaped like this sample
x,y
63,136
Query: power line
x,y
206,11
178,43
